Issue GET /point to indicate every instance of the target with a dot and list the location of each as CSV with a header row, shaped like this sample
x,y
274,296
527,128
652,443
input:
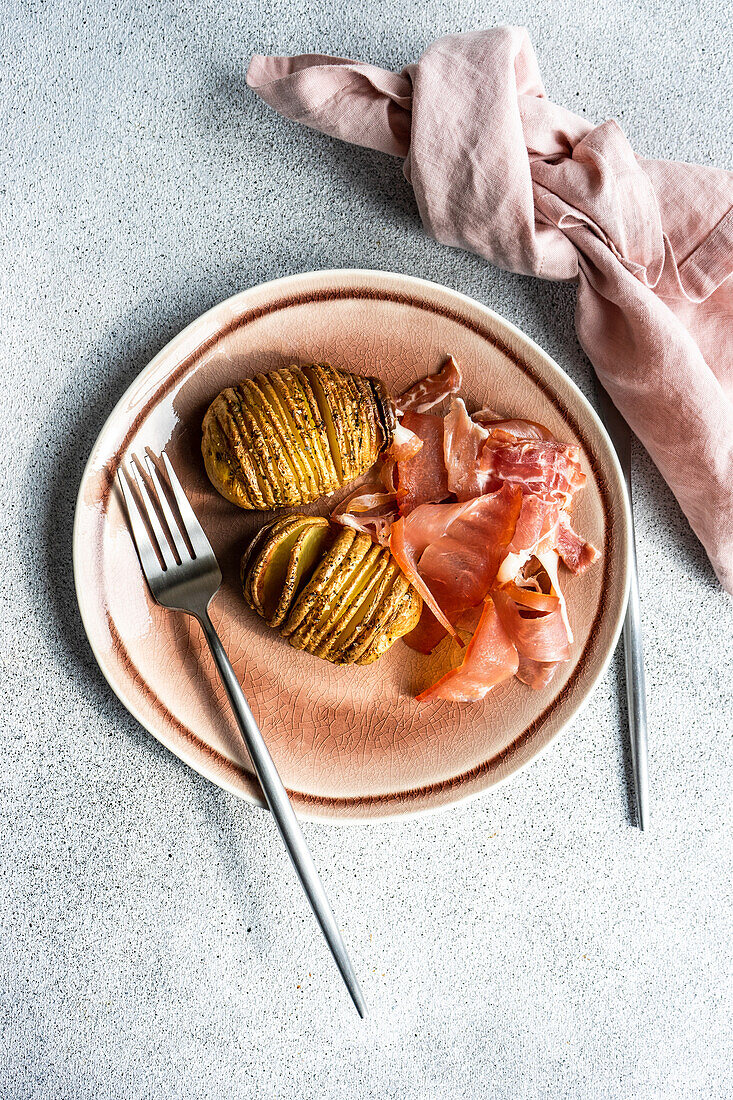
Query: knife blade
x,y
621,437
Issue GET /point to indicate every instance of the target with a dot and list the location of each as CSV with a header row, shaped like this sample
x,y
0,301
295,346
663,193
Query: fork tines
x,y
155,528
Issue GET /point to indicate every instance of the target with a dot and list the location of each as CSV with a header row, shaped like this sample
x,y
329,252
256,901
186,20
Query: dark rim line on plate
x,y
345,293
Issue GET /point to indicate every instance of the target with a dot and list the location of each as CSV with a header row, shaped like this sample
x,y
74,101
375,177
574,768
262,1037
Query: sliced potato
x,y
366,630
257,450
268,552
354,614
228,476
308,548
331,591
356,425
341,581
355,461
318,429
311,601
371,445
226,455
291,435
244,452
279,560
290,440
332,418
248,560
281,475
295,406
345,597
403,619
354,443
385,411
268,585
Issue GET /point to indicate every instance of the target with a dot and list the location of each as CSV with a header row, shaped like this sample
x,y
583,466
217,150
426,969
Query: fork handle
x,y
283,813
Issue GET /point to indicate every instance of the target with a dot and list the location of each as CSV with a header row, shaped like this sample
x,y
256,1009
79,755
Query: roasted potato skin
x,y
264,451
348,607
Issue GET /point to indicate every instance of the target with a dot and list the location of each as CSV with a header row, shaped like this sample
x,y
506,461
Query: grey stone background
x,y
154,943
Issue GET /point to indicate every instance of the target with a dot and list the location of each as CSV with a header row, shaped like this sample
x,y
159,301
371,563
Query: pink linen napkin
x,y
499,169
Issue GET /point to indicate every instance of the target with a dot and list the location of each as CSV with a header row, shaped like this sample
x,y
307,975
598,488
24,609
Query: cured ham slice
x,y
406,548
539,635
468,620
387,474
486,416
370,511
463,440
451,552
538,520
516,429
423,479
574,550
429,392
405,444
481,452
511,566
366,498
490,658
550,562
475,509
536,674
535,619
427,634
534,599
540,467
461,566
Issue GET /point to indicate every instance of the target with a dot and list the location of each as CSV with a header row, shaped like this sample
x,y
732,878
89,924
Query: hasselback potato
x,y
290,436
329,590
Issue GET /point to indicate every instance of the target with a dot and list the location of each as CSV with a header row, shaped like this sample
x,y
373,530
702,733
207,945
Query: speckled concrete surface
x,y
154,943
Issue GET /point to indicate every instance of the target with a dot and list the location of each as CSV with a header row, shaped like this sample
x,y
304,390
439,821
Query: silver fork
x,y
189,584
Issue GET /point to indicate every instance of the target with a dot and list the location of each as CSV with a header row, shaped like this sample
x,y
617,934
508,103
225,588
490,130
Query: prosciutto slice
x,y
539,635
475,509
489,659
423,479
482,452
536,620
387,475
429,392
451,552
537,521
369,511
427,634
461,566
539,466
536,674
405,444
463,440
406,548
517,429
574,550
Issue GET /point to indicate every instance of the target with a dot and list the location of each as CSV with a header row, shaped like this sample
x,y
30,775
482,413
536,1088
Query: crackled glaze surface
x,y
350,743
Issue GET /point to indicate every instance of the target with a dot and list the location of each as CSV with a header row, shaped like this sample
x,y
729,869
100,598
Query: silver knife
x,y
621,437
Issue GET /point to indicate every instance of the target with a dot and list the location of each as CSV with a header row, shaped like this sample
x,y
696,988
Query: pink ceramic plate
x,y
350,743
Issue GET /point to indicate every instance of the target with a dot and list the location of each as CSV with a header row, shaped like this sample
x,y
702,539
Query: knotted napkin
x,y
499,169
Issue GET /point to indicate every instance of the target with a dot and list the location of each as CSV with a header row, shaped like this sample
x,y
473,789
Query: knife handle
x,y
636,686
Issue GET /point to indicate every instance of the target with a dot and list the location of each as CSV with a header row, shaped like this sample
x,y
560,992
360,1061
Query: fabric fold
x,y
499,169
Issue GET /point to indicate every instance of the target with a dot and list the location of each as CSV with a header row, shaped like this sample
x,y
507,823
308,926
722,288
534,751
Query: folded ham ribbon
x,y
499,169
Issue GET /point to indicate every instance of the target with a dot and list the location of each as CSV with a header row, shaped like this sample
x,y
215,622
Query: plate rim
x,y
337,276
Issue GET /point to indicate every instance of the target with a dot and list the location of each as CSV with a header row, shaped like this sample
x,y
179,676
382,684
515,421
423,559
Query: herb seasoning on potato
x,y
335,594
293,435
